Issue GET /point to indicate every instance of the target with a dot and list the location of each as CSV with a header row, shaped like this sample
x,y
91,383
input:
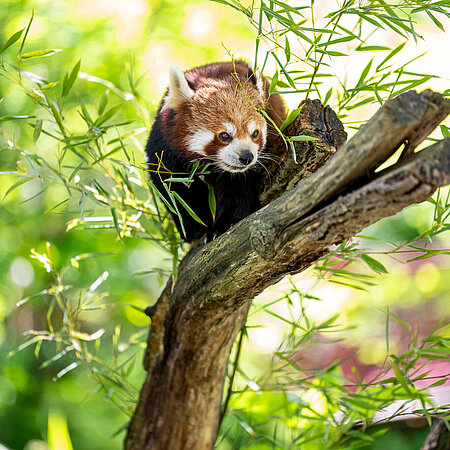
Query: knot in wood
x,y
263,238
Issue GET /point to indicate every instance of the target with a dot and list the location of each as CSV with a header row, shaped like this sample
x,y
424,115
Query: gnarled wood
x,y
196,320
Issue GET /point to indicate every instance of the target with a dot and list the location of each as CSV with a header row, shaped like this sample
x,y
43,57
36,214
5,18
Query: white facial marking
x,y
228,157
231,128
252,126
199,140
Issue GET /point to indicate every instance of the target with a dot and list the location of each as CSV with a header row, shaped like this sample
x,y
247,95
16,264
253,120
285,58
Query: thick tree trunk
x,y
197,319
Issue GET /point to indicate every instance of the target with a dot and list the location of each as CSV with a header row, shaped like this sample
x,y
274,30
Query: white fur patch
x,y
179,90
260,86
231,128
228,157
252,127
199,140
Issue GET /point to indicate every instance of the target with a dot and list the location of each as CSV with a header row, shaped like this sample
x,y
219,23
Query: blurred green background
x,y
41,407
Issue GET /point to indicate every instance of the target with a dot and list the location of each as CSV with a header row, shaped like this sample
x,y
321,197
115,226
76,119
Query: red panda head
x,y
211,112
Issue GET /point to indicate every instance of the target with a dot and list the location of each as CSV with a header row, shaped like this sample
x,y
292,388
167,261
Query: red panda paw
x,y
216,232
211,236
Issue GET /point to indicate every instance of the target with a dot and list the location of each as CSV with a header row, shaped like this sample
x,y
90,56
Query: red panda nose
x,y
246,157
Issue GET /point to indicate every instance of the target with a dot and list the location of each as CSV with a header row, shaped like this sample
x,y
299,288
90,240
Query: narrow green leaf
x,y
40,53
49,85
401,322
25,35
412,85
14,38
290,118
336,41
445,131
187,208
368,19
294,153
273,82
390,55
158,194
107,115
364,73
70,80
392,26
436,21
16,185
375,265
37,130
370,48
103,102
327,96
286,74
412,30
116,223
177,212
177,180
302,138
7,118
212,200
400,377
123,147
332,53
57,116
287,49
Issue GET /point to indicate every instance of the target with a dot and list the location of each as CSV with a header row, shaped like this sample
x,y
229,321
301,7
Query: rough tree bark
x,y
197,319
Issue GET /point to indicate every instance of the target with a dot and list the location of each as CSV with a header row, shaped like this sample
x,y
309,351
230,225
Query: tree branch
x,y
196,320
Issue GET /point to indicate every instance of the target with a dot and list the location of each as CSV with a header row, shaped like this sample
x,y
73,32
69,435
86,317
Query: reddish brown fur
x,y
222,93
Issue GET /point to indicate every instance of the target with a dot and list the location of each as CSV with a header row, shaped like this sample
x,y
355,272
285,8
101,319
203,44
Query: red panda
x,y
212,113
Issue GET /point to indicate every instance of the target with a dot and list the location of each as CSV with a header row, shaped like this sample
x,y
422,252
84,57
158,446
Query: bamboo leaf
x,y
212,200
16,185
103,102
25,35
40,53
302,138
375,265
187,208
14,38
287,49
390,55
116,223
401,378
290,118
70,80
364,73
37,130
273,83
7,118
107,115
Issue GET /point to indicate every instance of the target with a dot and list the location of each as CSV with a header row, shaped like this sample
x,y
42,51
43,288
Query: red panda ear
x,y
258,82
179,90
251,76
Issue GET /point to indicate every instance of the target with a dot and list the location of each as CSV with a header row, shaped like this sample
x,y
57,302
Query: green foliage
x,y
352,27
73,173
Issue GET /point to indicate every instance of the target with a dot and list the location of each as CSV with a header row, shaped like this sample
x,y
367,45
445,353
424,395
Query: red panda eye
x,y
225,137
255,134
